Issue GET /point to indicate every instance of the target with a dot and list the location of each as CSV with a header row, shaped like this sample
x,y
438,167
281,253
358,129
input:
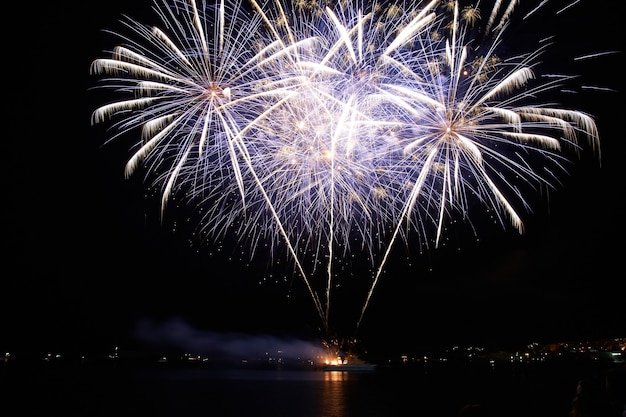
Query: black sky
x,y
85,258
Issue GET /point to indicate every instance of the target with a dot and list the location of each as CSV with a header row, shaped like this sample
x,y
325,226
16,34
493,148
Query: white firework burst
x,y
333,128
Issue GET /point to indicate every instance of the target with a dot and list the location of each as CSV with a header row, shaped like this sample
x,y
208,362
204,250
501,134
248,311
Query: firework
x,y
339,128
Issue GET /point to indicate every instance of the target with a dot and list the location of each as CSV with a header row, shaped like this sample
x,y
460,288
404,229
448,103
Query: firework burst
x,y
336,128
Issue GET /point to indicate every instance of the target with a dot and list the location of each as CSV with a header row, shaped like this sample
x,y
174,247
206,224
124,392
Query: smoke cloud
x,y
179,335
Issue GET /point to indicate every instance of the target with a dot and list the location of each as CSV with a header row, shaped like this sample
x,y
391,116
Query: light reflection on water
x,y
157,391
333,401
260,393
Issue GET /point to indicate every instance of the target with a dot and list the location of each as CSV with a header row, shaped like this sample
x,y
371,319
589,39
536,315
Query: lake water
x,y
438,390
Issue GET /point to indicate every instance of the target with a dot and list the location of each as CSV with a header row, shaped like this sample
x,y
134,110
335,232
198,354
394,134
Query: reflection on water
x,y
333,402
189,392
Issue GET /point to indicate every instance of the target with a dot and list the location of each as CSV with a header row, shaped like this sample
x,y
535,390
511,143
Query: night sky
x,y
86,261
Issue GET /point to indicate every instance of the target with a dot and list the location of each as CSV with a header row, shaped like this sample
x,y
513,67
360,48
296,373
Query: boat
x,y
351,363
350,367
